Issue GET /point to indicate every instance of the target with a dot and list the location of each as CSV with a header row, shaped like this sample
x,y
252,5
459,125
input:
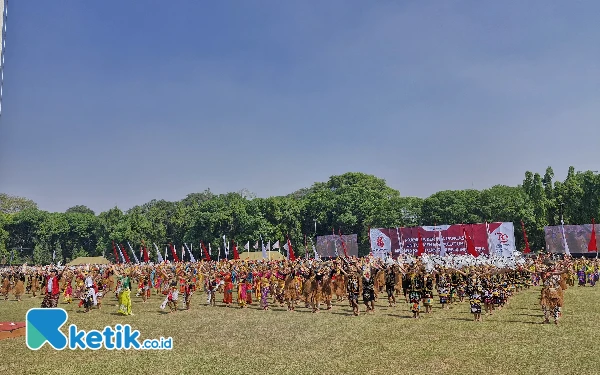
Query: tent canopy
x,y
88,260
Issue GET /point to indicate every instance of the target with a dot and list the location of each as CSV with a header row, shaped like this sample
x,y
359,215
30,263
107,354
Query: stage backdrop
x,y
396,241
327,245
578,237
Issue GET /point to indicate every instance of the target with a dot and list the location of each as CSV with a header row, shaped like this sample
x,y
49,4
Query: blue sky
x,y
119,102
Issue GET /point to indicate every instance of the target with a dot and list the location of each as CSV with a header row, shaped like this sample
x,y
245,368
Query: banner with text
x,y
493,238
333,245
577,236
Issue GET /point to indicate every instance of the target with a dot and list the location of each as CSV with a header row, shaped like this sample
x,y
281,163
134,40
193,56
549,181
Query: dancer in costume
x,y
390,285
124,293
19,288
190,287
173,298
264,291
552,292
52,290
5,286
89,297
415,292
352,288
227,288
368,292
68,293
242,293
443,293
475,302
428,294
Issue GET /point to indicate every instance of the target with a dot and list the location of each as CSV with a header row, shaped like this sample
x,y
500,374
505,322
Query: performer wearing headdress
x,y
428,294
290,288
279,286
552,292
368,291
89,297
475,301
68,293
390,285
264,289
211,289
249,281
35,283
124,293
145,286
581,275
190,287
443,292
227,289
415,292
352,288
52,290
242,291
5,286
19,289
173,298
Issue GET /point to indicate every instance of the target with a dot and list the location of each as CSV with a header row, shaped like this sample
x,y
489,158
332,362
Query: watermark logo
x,y
43,326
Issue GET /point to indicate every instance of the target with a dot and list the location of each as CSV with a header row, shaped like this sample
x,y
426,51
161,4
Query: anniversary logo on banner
x,y
493,238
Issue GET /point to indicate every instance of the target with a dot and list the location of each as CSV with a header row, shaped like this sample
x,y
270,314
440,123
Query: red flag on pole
x,y
292,256
343,244
470,245
115,251
174,253
421,247
592,244
125,254
146,257
236,255
527,250
206,256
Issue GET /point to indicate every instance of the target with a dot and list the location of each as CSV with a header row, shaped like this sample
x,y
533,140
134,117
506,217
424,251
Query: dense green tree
x,y
348,203
80,209
11,204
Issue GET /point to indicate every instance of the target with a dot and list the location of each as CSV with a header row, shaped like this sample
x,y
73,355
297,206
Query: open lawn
x,y
222,340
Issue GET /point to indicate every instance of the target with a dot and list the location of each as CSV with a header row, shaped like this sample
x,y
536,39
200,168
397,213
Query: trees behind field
x,y
348,203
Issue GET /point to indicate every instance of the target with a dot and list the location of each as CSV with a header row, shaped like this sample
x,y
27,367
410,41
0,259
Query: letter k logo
x,y
43,325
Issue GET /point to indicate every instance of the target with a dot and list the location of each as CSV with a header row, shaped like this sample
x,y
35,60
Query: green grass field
x,y
222,340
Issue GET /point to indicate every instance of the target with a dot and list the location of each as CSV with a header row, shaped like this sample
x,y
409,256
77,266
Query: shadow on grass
x,y
534,315
522,322
402,316
343,313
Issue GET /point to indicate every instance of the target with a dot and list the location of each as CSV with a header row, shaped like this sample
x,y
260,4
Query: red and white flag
x,y
592,246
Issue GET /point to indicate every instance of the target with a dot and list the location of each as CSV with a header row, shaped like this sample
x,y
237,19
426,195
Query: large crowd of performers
x,y
486,284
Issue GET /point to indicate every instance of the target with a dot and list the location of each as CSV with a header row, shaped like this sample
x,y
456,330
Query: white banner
x,y
381,244
502,240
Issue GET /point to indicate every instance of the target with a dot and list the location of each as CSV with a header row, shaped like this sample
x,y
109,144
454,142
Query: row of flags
x,y
121,255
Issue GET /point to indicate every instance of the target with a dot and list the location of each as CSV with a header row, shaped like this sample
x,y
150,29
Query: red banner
x,y
444,239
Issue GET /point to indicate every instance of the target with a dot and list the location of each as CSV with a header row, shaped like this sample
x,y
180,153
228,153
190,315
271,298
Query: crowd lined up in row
x,y
487,284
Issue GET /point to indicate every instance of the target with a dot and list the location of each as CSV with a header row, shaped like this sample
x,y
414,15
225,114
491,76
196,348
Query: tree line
x,y
348,203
